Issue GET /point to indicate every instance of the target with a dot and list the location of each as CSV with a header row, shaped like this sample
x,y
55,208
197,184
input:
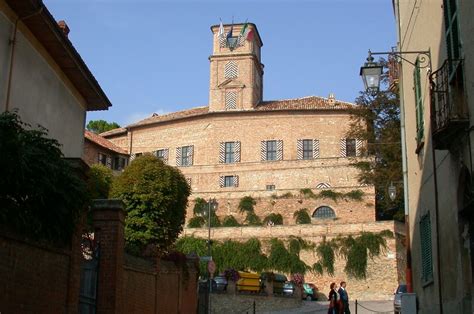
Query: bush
x,y
155,197
230,221
302,217
246,204
99,181
196,222
307,193
277,219
252,219
41,194
200,207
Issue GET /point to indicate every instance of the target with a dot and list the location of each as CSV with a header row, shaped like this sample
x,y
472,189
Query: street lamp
x,y
371,73
392,191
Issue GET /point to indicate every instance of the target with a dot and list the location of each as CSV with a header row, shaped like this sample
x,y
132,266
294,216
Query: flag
x,y
243,30
245,33
229,34
221,30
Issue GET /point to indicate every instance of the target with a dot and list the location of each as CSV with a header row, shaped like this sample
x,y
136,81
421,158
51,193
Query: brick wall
x,y
36,278
382,277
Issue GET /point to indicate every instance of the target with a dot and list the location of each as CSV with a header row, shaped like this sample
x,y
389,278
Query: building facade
x,y
437,91
43,77
241,145
98,150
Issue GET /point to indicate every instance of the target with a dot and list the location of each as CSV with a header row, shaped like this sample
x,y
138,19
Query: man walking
x,y
344,298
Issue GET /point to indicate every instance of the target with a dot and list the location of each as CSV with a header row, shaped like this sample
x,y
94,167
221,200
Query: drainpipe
x,y
408,272
12,54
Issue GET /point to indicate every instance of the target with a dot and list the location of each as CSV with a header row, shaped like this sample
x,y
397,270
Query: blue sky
x,y
152,56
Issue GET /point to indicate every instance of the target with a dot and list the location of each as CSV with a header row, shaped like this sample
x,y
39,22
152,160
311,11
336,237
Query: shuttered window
x,y
426,248
229,181
451,24
229,152
418,103
162,154
271,150
184,156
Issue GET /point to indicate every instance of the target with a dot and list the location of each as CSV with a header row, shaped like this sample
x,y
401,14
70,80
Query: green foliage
x,y
297,244
99,181
230,221
286,195
331,195
100,126
200,207
252,219
325,252
196,222
277,219
302,217
41,194
215,222
246,204
377,121
280,259
189,245
155,197
307,193
356,195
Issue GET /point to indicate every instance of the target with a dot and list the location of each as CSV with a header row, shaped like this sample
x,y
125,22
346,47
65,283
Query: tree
x,y
100,126
41,194
377,121
155,197
99,181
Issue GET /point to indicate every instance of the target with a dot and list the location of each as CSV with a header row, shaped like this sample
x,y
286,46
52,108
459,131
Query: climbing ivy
x,y
277,219
302,217
247,204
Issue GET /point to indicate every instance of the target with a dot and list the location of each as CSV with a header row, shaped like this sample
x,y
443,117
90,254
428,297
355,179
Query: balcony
x,y
450,117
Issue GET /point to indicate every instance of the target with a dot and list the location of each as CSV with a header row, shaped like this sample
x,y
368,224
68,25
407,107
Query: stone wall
x,y
382,277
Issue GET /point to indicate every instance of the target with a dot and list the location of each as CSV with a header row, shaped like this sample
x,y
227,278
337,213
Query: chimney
x,y
63,26
331,99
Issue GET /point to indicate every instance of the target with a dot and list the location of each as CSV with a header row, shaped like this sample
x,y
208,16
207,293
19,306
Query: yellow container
x,y
248,282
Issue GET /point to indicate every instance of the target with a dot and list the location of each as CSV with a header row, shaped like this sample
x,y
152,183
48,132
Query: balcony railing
x,y
449,112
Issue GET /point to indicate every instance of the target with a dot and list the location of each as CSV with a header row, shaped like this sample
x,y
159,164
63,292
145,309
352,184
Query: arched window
x,y
231,70
324,212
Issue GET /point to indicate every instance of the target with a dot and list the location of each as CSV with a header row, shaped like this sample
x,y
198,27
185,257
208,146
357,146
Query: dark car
x,y
397,300
221,283
288,288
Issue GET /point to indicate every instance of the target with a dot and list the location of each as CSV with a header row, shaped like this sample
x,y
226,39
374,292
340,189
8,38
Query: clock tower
x,y
236,80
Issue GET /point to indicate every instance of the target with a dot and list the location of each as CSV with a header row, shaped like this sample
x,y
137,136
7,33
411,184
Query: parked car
x,y
309,292
397,300
221,283
288,288
278,281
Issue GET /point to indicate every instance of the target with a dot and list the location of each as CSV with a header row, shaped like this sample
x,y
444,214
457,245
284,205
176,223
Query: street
x,y
364,307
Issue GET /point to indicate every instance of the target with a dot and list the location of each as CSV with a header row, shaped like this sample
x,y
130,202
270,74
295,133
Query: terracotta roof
x,y
45,28
193,112
105,143
305,103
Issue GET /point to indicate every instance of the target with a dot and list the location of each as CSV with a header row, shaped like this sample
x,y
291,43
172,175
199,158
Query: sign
x,y
205,258
211,267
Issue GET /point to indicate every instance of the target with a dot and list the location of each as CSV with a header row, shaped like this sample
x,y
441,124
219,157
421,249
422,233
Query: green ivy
x,y
277,219
230,221
196,222
252,219
335,196
307,193
302,217
247,204
356,195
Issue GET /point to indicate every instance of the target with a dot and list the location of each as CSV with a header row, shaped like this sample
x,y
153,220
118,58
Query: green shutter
x,y
451,27
418,103
426,249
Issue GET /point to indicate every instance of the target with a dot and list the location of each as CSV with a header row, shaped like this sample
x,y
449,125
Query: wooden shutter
x,y
299,149
279,150
358,147
191,155
237,151
108,161
221,181
315,149
235,180
263,150
178,156
343,148
222,152
426,249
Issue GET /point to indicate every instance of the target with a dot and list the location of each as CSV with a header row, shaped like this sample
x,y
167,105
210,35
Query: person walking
x,y
344,298
334,300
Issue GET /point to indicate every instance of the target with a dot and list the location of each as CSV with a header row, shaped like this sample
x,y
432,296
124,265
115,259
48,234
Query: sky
x,y
151,56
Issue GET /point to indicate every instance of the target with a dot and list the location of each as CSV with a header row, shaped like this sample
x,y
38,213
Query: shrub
x,y
331,195
252,219
277,219
302,217
356,195
230,221
99,181
307,193
41,194
196,222
246,204
200,207
155,197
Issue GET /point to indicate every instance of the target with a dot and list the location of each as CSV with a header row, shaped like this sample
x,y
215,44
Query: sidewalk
x,y
364,307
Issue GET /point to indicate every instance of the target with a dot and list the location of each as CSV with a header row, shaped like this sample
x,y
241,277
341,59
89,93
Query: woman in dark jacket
x,y
334,300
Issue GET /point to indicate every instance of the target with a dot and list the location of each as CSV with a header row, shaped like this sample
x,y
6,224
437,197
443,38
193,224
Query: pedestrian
x,y
334,300
344,298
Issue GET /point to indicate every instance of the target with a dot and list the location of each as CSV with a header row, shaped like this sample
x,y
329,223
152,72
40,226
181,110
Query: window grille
x,y
324,212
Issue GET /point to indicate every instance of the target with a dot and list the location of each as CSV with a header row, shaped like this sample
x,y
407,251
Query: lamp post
x,y
392,192
371,76
212,205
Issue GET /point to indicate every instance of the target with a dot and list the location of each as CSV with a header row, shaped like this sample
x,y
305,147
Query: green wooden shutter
x,y
426,248
418,103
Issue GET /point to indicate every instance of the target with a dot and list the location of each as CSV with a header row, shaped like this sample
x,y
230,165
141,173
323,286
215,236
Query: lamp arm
x,y
424,57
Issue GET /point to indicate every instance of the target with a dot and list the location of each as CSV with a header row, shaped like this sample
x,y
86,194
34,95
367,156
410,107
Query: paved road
x,y
365,307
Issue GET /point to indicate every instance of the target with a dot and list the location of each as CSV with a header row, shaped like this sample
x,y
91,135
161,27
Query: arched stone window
x,y
324,212
231,70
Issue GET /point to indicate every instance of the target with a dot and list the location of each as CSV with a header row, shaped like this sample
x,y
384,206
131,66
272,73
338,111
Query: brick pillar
x,y
108,220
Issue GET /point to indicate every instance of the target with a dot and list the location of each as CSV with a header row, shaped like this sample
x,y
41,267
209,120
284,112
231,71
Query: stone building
x,y
242,145
98,150
437,90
